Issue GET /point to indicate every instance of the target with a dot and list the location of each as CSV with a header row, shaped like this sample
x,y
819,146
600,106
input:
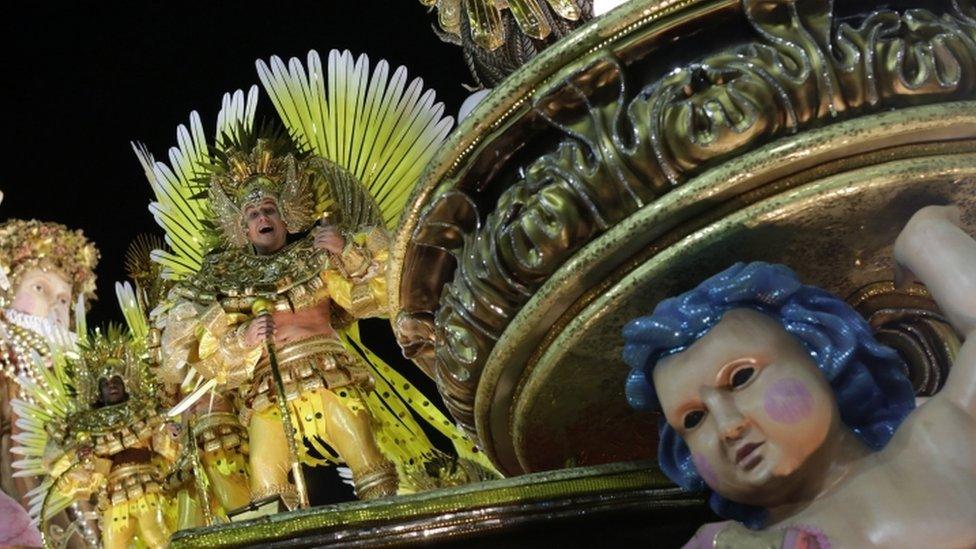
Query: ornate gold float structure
x,y
655,146
647,149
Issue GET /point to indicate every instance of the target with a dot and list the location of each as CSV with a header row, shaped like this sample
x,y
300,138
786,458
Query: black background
x,y
82,81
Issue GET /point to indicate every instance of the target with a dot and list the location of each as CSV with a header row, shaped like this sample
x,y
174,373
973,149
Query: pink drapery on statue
x,y
16,529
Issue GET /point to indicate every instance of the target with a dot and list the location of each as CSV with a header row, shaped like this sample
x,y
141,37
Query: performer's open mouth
x,y
266,230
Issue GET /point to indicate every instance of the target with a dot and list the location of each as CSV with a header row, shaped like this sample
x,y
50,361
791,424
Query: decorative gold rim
x,y
926,168
807,152
605,480
608,150
500,108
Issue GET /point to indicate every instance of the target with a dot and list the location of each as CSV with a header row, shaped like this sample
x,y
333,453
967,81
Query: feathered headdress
x,y
358,140
250,167
108,353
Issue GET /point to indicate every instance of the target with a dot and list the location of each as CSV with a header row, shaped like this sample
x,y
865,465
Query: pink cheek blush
x,y
788,401
24,303
705,470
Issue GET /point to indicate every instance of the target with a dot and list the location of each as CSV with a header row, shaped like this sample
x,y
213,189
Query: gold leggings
x,y
348,431
228,479
121,522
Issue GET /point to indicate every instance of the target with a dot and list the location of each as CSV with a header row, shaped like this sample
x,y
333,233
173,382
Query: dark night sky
x,y
82,81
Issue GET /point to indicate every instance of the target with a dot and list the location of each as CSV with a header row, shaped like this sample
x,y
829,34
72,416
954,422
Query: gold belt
x,y
303,348
111,443
130,481
319,362
219,430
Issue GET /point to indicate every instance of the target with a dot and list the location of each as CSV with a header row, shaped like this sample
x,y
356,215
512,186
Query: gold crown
x,y
25,245
103,355
247,174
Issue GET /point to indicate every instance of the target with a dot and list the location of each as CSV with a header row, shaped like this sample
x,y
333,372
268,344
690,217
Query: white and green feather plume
x,y
376,125
133,312
181,207
45,401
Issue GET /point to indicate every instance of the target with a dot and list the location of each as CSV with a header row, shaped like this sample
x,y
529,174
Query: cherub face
x,y
265,228
752,407
45,294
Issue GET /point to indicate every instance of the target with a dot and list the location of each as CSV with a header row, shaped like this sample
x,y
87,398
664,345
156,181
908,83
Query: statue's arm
x,y
935,250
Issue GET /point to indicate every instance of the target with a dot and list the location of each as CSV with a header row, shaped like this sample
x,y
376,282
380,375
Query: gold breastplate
x,y
289,279
115,428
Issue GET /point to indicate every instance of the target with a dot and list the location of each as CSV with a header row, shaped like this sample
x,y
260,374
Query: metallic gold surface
x,y
498,36
835,232
509,104
908,319
584,145
456,512
539,326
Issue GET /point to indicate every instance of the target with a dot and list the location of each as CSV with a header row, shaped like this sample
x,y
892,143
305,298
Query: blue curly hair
x,y
868,379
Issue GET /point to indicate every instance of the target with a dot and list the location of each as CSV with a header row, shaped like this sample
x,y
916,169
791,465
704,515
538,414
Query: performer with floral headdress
x,y
44,269
17,528
268,323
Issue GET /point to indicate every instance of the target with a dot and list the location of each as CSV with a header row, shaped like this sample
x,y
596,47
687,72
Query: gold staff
x,y
262,308
200,480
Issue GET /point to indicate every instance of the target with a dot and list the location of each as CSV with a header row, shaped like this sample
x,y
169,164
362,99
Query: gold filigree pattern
x,y
237,277
624,150
499,36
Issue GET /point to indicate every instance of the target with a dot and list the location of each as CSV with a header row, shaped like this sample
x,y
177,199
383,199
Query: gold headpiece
x,y
245,175
104,355
25,245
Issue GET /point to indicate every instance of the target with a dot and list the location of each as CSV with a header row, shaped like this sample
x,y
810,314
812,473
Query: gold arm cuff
x,y
377,481
362,303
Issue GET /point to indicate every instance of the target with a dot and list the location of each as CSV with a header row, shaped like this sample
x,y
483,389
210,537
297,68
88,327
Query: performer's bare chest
x,y
303,323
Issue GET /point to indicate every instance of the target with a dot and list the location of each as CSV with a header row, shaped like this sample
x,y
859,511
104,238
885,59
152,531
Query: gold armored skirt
x,y
319,362
130,482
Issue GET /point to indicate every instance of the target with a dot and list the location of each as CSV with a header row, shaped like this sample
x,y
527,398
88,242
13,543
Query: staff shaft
x,y
282,402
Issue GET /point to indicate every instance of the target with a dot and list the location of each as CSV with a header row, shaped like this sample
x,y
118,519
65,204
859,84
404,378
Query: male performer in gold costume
x,y
93,427
261,197
270,325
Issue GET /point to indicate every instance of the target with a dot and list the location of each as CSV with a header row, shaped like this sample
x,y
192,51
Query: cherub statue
x,y
779,400
269,324
93,426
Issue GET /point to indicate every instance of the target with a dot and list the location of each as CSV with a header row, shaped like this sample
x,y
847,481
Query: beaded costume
x,y
355,156
84,438
27,247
